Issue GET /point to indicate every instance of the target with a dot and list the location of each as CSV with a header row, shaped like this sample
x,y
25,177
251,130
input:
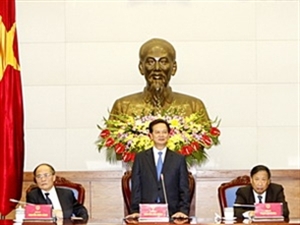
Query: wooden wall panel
x,y
107,200
104,195
207,202
292,192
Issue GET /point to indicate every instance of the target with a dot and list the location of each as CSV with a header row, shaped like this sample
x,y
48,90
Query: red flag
x,y
11,111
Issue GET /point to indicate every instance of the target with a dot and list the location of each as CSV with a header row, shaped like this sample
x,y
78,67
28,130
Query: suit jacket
x,y
67,201
244,195
146,188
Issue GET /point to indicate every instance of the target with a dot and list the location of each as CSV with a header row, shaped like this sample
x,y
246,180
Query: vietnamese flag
x,y
11,111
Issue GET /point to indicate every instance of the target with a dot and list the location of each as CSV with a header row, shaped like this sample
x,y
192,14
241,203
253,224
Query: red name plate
x,y
268,209
38,211
148,211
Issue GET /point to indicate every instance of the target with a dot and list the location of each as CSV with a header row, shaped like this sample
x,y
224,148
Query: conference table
x,y
198,221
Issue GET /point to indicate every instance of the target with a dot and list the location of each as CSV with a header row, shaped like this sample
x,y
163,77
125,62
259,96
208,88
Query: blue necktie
x,y
259,198
159,165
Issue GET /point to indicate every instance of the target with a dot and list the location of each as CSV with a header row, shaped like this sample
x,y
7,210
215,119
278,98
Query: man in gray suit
x,y
147,184
261,190
60,198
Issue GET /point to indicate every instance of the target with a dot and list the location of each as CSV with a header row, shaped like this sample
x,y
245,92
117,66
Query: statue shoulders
x,y
186,98
190,104
135,103
139,96
129,104
131,97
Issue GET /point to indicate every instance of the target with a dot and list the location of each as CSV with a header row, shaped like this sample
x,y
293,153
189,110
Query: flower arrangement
x,y
124,135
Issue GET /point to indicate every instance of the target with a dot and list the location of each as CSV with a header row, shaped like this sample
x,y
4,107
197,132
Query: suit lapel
x,y
269,194
151,163
167,162
60,197
41,197
251,196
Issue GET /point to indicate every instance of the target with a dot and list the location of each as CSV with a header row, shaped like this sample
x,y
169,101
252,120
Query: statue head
x,y
157,64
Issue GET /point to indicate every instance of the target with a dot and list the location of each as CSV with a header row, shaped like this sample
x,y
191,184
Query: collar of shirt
x,y
263,195
54,198
156,151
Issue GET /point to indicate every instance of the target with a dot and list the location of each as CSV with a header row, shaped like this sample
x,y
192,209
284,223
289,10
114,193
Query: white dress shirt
x,y
156,151
53,197
263,195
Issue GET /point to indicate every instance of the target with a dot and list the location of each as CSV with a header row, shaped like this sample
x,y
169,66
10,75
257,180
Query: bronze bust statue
x,y
157,64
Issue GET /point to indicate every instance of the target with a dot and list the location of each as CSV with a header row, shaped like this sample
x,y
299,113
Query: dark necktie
x,y
159,165
259,198
48,200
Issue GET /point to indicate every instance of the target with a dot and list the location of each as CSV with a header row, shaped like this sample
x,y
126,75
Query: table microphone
x,y
164,190
20,202
244,205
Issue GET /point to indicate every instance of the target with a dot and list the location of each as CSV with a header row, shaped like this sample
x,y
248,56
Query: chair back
x,y
126,190
227,191
61,182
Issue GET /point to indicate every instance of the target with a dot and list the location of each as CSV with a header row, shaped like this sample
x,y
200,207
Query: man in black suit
x,y
146,183
261,190
60,198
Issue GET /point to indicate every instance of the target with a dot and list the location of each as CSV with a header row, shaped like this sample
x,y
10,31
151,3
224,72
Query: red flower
x,y
215,131
119,148
206,140
105,133
195,145
186,150
128,156
109,142
132,156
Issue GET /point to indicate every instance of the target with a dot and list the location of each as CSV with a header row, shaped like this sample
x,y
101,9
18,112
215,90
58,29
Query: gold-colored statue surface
x,y
157,64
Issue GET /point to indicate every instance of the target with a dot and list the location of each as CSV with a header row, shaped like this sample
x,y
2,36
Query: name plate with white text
x,y
154,213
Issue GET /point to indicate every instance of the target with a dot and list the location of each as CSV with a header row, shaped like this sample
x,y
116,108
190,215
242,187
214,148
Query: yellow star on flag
x,y
7,56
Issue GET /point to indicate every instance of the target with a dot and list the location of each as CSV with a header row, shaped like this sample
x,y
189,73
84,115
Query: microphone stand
x,y
164,191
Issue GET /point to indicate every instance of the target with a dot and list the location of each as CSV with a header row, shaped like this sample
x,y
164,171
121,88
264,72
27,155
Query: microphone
x,y
20,202
244,205
164,190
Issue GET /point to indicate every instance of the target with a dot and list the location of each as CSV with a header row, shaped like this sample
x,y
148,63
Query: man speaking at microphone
x,y
147,186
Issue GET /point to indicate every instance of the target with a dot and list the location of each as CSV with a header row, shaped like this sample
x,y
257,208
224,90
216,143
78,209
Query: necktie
x,y
159,165
48,200
259,198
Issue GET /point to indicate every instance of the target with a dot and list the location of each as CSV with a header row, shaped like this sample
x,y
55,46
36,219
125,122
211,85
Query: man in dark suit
x,y
146,181
62,200
261,190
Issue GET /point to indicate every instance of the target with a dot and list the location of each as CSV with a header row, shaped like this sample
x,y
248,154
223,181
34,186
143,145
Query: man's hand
x,y
179,215
132,218
249,214
180,218
76,218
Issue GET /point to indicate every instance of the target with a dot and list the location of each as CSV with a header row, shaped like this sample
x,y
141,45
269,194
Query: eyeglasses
x,y
46,175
